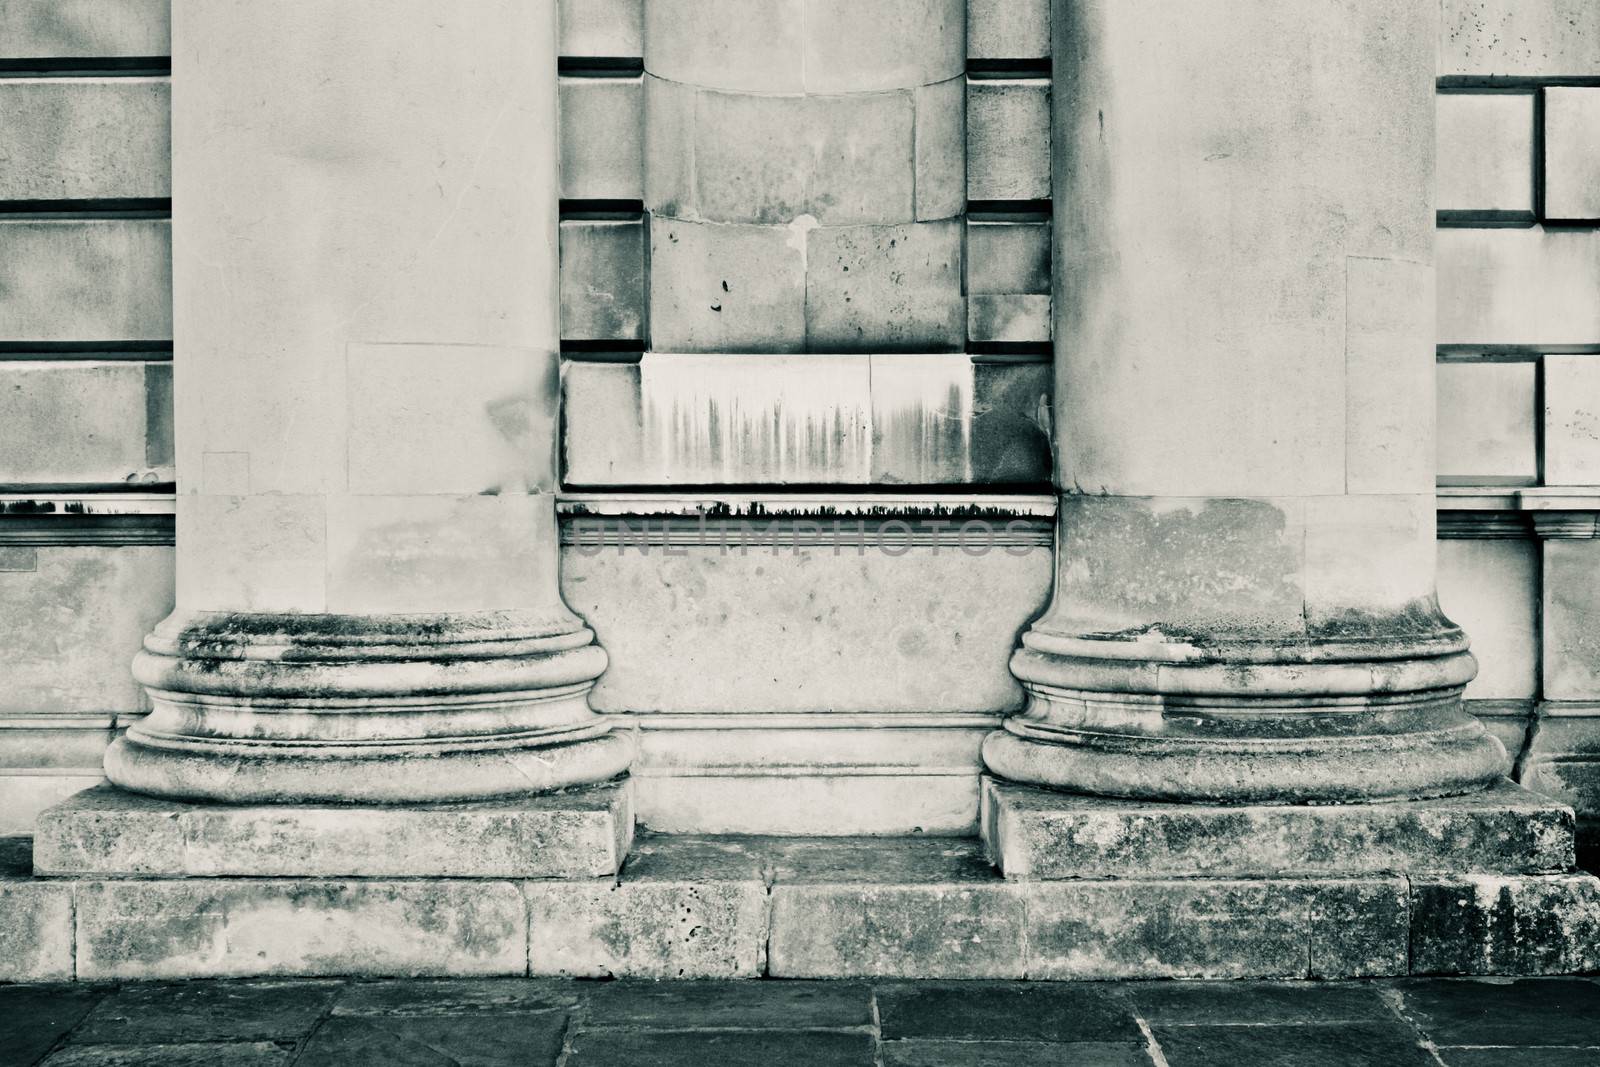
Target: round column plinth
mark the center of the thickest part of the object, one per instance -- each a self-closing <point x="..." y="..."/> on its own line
<point x="1274" y="724"/>
<point x="380" y="709"/>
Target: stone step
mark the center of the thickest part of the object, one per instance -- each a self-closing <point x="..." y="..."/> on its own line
<point x="1045" y="834"/>
<point x="108" y="832"/>
<point x="815" y="908"/>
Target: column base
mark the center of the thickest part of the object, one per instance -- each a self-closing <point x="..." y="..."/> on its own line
<point x="255" y="709"/>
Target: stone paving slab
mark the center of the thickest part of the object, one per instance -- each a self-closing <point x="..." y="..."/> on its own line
<point x="545" y="1022"/>
<point x="108" y="832"/>
<point x="1045" y="834"/>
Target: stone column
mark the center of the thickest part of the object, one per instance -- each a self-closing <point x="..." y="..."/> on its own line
<point x="365" y="212"/>
<point x="1244" y="318"/>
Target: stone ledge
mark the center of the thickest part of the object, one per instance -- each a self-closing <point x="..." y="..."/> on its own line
<point x="1043" y="834"/>
<point x="792" y="908"/>
<point x="105" y="832"/>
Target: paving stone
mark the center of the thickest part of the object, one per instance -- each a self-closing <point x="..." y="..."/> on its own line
<point x="455" y="996"/>
<point x="1176" y="929"/>
<point x="1489" y="924"/>
<point x="953" y="930"/>
<point x="885" y="288"/>
<point x="1221" y="1003"/>
<point x="1005" y="1011"/>
<point x="603" y="1048"/>
<point x="36" y="932"/>
<point x="1347" y="1044"/>
<point x="578" y="833"/>
<point x="510" y="1039"/>
<point x="270" y="927"/>
<point x="1556" y="1011"/>
<point x="201" y="1054"/>
<point x="33" y="1018"/>
<point x="190" y="1012"/>
<point x="1012" y="1054"/>
<point x="1517" y="1057"/>
<point x="1045" y="834"/>
<point x="878" y="860"/>
<point x="732" y="1005"/>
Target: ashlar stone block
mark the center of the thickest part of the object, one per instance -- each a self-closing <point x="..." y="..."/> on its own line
<point x="724" y="288"/>
<point x="86" y="280"/>
<point x="36" y="931"/>
<point x="1572" y="419"/>
<point x="1490" y="589"/>
<point x="84" y="138"/>
<point x="851" y="47"/>
<point x="1486" y="153"/>
<point x="740" y="45"/>
<point x="885" y="288"/>
<point x="1008" y="139"/>
<point x="1552" y="38"/>
<point x="1008" y="29"/>
<point x="107" y="832"/>
<point x="1008" y="257"/>
<point x="602" y="138"/>
<point x="84" y="422"/>
<point x="1041" y="834"/>
<point x="94" y="29"/>
<point x="1519" y="287"/>
<point x="605" y="28"/>
<point x="1486" y="415"/>
<point x="1571" y="605"/>
<point x="1505" y="924"/>
<point x="1572" y="153"/>
<point x="602" y="279"/>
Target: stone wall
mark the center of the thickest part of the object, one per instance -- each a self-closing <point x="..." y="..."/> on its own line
<point x="871" y="346"/>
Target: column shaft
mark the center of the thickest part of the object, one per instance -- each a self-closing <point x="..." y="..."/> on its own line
<point x="365" y="218"/>
<point x="1244" y="605"/>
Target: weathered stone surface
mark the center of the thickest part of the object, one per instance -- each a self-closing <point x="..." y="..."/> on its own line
<point x="34" y="1018"/>
<point x="1512" y="38"/>
<point x="602" y="279"/>
<point x="94" y="29"/>
<point x="76" y="618"/>
<point x="885" y="288"/>
<point x="602" y="138"/>
<point x="1505" y="924"/>
<point x="271" y="927"/>
<point x="1388" y="1043"/>
<point x="685" y="912"/>
<point x="513" y="1039"/>
<point x="1177" y="929"/>
<point x="729" y="1004"/>
<point x="755" y="796"/>
<point x="1486" y="424"/>
<point x="86" y="280"/>
<point x="842" y="160"/>
<point x="1041" y="834"/>
<point x="162" y="1014"/>
<point x="1008" y="257"/>
<point x="600" y="1048"/>
<point x="1519" y="287"/>
<point x="1572" y="416"/>
<point x="1008" y="29"/>
<point x="1360" y="929"/>
<point x="847" y="929"/>
<point x="1491" y="590"/>
<point x="1486" y="152"/>
<point x="1008" y="139"/>
<point x="84" y="138"/>
<point x="562" y="835"/>
<point x="1571" y="598"/>
<point x="36" y="931"/>
<point x="1009" y="317"/>
<point x="482" y="997"/>
<point x="83" y="422"/>
<point x="191" y="1054"/>
<point x="979" y="1010"/>
<point x="725" y="288"/>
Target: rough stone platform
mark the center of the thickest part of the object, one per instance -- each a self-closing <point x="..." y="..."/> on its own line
<point x="105" y="832"/>
<point x="746" y="907"/>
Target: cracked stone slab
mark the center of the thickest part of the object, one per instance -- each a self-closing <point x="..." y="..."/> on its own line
<point x="107" y="832"/>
